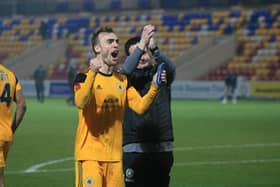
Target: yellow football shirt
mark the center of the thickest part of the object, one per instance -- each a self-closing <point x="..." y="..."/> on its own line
<point x="8" y="87"/>
<point x="101" y="100"/>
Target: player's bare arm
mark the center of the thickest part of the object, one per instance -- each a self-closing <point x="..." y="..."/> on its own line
<point x="141" y="104"/>
<point x="20" y="110"/>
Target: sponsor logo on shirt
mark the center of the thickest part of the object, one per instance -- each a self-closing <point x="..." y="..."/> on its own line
<point x="98" y="87"/>
<point x="3" y="76"/>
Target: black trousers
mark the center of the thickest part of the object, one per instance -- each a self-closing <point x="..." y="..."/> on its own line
<point x="147" y="169"/>
<point x="40" y="91"/>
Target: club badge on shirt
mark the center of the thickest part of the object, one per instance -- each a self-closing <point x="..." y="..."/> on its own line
<point x="89" y="182"/>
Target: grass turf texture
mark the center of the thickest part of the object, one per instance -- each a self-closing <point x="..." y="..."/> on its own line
<point x="216" y="145"/>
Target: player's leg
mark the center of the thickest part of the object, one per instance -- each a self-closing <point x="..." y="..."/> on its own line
<point x="37" y="91"/>
<point x="2" y="164"/>
<point x="163" y="162"/>
<point x="1" y="176"/>
<point x="113" y="174"/>
<point x="138" y="169"/>
<point x="147" y="169"/>
<point x="226" y="93"/>
<point x="131" y="169"/>
<point x="88" y="174"/>
<point x="4" y="147"/>
<point x="42" y="92"/>
<point x="234" y="100"/>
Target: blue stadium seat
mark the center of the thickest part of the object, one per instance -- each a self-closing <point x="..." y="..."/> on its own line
<point x="117" y="18"/>
<point x="15" y="21"/>
<point x="31" y="20"/>
<point x="234" y="13"/>
<point x="272" y="38"/>
<point x="132" y="29"/>
<point x="30" y="33"/>
<point x="23" y="38"/>
<point x="195" y="40"/>
<point x="17" y="32"/>
<point x="228" y="29"/>
<point x="252" y="26"/>
<point x="170" y="20"/>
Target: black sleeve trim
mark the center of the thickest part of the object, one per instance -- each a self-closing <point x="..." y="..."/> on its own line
<point x="80" y="77"/>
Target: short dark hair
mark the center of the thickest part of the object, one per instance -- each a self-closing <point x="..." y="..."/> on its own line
<point x="94" y="38"/>
<point x="130" y="42"/>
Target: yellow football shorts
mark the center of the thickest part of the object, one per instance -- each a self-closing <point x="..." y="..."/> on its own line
<point x="4" y="148"/>
<point x="90" y="173"/>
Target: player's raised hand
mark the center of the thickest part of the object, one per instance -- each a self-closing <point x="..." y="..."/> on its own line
<point x="152" y="44"/>
<point x="146" y="35"/>
<point x="94" y="64"/>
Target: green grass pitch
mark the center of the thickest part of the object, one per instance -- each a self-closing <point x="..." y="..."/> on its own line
<point x="216" y="145"/>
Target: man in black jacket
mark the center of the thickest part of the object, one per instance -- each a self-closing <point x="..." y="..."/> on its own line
<point x="39" y="76"/>
<point x="148" y="139"/>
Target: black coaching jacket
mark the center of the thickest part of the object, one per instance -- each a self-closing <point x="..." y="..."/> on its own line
<point x="155" y="125"/>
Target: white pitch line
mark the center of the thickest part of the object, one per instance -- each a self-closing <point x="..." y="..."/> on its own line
<point x="54" y="170"/>
<point x="180" y="164"/>
<point x="36" y="167"/>
<point x="227" y="162"/>
<point x="40" y="171"/>
<point x="226" y="146"/>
